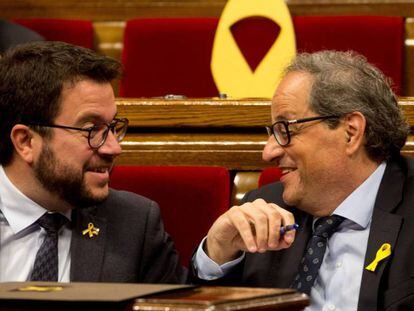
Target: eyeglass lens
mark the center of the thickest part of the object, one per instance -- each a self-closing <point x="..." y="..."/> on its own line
<point x="99" y="134"/>
<point x="281" y="133"/>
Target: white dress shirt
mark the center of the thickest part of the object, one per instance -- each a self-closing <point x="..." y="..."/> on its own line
<point x="21" y="237"/>
<point x="338" y="283"/>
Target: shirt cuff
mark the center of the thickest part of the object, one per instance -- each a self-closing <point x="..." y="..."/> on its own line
<point x="207" y="269"/>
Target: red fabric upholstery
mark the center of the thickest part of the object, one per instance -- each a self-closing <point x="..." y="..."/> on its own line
<point x="168" y="56"/>
<point x="172" y="56"/>
<point x="255" y="36"/>
<point x="190" y="198"/>
<point x="379" y="38"/>
<point x="77" y="32"/>
<point x="269" y="175"/>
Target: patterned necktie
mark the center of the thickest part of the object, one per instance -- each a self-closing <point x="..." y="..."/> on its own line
<point x="315" y="250"/>
<point x="46" y="263"/>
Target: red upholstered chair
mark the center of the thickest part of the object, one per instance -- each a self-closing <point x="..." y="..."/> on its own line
<point x="379" y="38"/>
<point x="168" y="56"/>
<point x="172" y="55"/>
<point x="190" y="198"/>
<point x="269" y="175"/>
<point x="78" y="32"/>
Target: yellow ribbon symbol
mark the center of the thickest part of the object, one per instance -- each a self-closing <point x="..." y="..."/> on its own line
<point x="383" y="252"/>
<point x="91" y="230"/>
<point x="229" y="68"/>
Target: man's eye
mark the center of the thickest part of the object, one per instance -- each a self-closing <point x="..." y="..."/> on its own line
<point x="94" y="130"/>
<point x="293" y="130"/>
<point x="283" y="132"/>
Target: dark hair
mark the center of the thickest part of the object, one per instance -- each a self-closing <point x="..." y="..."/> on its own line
<point x="31" y="80"/>
<point x="344" y="82"/>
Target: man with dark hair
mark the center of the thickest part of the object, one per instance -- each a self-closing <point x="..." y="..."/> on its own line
<point x="60" y="132"/>
<point x="336" y="134"/>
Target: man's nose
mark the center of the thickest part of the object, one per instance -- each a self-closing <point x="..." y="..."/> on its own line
<point x="111" y="146"/>
<point x="272" y="150"/>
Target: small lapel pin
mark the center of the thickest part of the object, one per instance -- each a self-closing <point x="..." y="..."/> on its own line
<point x="383" y="252"/>
<point x="91" y="230"/>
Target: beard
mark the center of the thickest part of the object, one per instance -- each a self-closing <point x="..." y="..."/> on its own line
<point x="63" y="180"/>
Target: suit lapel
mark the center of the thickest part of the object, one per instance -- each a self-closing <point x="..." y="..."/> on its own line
<point x="87" y="252"/>
<point x="385" y="228"/>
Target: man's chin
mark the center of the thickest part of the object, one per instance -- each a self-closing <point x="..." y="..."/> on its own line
<point x="99" y="195"/>
<point x="90" y="198"/>
<point x="290" y="198"/>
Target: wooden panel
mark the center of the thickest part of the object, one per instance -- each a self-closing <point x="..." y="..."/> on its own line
<point x="408" y="78"/>
<point x="407" y="106"/>
<point x="234" y="151"/>
<point x="109" y="37"/>
<point x="226" y="133"/>
<point x="118" y="10"/>
<point x="195" y="112"/>
<point x="209" y="113"/>
<point x="243" y="182"/>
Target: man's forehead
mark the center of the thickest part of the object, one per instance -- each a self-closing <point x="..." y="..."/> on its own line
<point x="289" y="109"/>
<point x="292" y="96"/>
<point x="88" y="100"/>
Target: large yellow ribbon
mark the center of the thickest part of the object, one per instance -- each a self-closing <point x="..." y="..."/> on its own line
<point x="383" y="252"/>
<point x="230" y="70"/>
<point x="91" y="230"/>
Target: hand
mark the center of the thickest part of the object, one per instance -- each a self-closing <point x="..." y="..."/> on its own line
<point x="251" y="227"/>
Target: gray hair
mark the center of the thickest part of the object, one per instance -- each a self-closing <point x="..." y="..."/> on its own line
<point x="344" y="82"/>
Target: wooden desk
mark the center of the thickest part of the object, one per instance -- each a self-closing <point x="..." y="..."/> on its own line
<point x="149" y="297"/>
<point x="224" y="298"/>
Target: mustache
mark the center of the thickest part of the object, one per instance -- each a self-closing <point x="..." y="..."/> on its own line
<point x="103" y="163"/>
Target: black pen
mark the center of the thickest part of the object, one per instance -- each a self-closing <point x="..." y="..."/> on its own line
<point x="287" y="228"/>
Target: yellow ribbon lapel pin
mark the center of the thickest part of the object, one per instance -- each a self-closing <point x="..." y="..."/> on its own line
<point x="91" y="230"/>
<point x="383" y="252"/>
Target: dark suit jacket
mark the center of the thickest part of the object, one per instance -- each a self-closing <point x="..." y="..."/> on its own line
<point x="131" y="246"/>
<point x="391" y="286"/>
<point x="12" y="34"/>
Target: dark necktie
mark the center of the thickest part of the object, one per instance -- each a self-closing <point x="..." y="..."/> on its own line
<point x="315" y="250"/>
<point x="46" y="263"/>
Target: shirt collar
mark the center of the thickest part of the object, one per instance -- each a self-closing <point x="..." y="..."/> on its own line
<point x="19" y="211"/>
<point x="359" y="205"/>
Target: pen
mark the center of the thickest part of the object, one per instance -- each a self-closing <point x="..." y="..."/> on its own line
<point x="287" y="228"/>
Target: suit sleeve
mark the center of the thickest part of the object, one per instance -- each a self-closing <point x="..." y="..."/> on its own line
<point x="160" y="262"/>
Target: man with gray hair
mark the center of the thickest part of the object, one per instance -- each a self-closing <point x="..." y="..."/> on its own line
<point x="339" y="224"/>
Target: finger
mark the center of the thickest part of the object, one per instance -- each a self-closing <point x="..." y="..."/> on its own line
<point x="242" y="222"/>
<point x="287" y="218"/>
<point x="275" y="222"/>
<point x="259" y="220"/>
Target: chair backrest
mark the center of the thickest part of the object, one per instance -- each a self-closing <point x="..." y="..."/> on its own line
<point x="168" y="56"/>
<point x="77" y="32"/>
<point x="379" y="38"/>
<point x="269" y="175"/>
<point x="190" y="198"/>
<point x="172" y="55"/>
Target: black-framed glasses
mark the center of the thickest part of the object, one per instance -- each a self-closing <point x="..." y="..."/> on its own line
<point x="97" y="134"/>
<point x="280" y="129"/>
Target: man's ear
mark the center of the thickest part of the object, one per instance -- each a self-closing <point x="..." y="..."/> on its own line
<point x="23" y="141"/>
<point x="355" y="124"/>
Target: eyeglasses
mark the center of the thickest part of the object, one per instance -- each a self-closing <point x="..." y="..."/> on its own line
<point x="280" y="129"/>
<point x="97" y="134"/>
